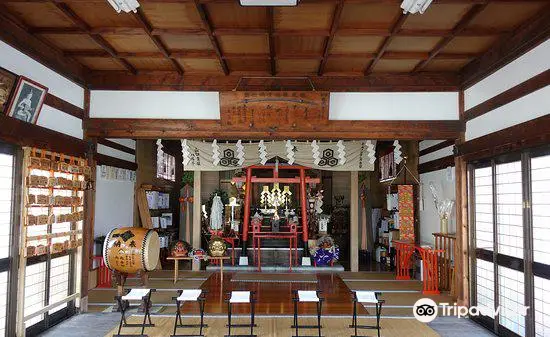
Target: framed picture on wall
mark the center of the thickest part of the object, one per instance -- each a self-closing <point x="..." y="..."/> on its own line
<point x="27" y="100"/>
<point x="7" y="83"/>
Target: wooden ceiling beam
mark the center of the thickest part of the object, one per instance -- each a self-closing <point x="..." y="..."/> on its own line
<point x="208" y="27"/>
<point x="156" y="40"/>
<point x="529" y="35"/>
<point x="63" y="7"/>
<point x="375" y="82"/>
<point x="460" y="26"/>
<point x="271" y="40"/>
<point x="337" y="14"/>
<point x="262" y="31"/>
<point x="210" y="54"/>
<point x="17" y="34"/>
<point x="394" y="29"/>
<point x="200" y="129"/>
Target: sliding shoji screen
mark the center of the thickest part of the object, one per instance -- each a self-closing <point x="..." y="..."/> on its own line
<point x="540" y="210"/>
<point x="6" y="210"/>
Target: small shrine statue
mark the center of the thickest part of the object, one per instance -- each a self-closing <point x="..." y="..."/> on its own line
<point x="326" y="251"/>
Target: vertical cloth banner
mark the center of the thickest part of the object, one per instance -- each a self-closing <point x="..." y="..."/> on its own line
<point x="406" y="212"/>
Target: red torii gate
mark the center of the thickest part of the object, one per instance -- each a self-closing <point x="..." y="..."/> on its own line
<point x="302" y="180"/>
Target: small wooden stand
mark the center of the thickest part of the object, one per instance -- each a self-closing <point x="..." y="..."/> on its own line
<point x="187" y="258"/>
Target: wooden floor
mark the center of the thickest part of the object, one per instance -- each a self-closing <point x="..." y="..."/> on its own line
<point x="274" y="292"/>
<point x="332" y="327"/>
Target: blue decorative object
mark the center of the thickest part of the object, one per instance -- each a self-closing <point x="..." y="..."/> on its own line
<point x="326" y="252"/>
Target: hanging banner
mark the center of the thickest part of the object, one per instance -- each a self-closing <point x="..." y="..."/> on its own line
<point x="333" y="156"/>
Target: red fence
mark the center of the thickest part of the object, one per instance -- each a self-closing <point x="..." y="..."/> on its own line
<point x="429" y="271"/>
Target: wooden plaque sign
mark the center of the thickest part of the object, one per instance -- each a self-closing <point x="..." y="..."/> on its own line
<point x="274" y="109"/>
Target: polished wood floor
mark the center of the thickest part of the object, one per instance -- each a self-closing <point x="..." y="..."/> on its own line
<point x="275" y="298"/>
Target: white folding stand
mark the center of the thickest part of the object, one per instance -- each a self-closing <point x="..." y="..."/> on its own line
<point x="189" y="295"/>
<point x="366" y="297"/>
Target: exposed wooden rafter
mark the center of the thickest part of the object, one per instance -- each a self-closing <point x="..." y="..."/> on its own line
<point x="328" y="41"/>
<point x="510" y="46"/>
<point x="63" y="7"/>
<point x="271" y="40"/>
<point x="394" y="29"/>
<point x="460" y="26"/>
<point x="208" y="28"/>
<point x="156" y="40"/>
<point x="17" y="34"/>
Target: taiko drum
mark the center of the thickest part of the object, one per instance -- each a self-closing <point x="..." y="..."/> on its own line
<point x="131" y="249"/>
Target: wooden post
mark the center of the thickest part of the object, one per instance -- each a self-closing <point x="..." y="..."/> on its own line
<point x="462" y="266"/>
<point x="303" y="198"/>
<point x="246" y="222"/>
<point x="197" y="216"/>
<point x="20" y="322"/>
<point x="354" y="222"/>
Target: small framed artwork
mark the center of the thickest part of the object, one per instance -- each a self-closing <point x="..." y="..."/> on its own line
<point x="7" y="83"/>
<point x="27" y="100"/>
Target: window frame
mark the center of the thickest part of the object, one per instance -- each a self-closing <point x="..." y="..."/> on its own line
<point x="10" y="263"/>
<point x="526" y="264"/>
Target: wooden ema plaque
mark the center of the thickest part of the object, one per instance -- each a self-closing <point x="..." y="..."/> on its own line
<point x="274" y="109"/>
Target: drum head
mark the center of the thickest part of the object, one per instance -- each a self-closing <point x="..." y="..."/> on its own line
<point x="151" y="250"/>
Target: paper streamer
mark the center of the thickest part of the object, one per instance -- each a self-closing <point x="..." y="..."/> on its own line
<point x="185" y="152"/>
<point x="341" y="152"/>
<point x="397" y="152"/>
<point x="316" y="153"/>
<point x="371" y="151"/>
<point x="262" y="149"/>
<point x="215" y="153"/>
<point x="290" y="152"/>
<point x="240" y="152"/>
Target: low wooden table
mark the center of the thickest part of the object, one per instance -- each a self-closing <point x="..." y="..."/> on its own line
<point x="188" y="258"/>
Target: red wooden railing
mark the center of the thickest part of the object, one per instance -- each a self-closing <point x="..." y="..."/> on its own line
<point x="430" y="284"/>
<point x="103" y="273"/>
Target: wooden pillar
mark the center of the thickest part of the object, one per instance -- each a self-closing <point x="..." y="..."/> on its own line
<point x="303" y="198"/>
<point x="197" y="215"/>
<point x="354" y="222"/>
<point x="462" y="254"/>
<point x="246" y="222"/>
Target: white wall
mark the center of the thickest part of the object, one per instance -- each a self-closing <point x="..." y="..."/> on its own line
<point x="20" y="64"/>
<point x="154" y="104"/>
<point x="394" y="106"/>
<point x="444" y="182"/>
<point x="114" y="204"/>
<point x="528" y="107"/>
<point x="114" y="201"/>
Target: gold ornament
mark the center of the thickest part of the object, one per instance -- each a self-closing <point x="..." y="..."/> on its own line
<point x="217" y="247"/>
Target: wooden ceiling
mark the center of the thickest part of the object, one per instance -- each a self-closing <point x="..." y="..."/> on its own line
<point x="316" y="38"/>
